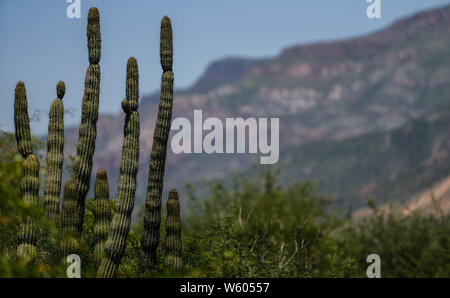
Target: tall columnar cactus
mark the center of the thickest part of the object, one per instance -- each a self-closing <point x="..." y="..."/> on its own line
<point x="30" y="173"/>
<point x="152" y="217"/>
<point x="102" y="212"/>
<point x="88" y="128"/>
<point x="55" y="156"/>
<point x="120" y="225"/>
<point x="69" y="237"/>
<point x="22" y="121"/>
<point x="172" y="244"/>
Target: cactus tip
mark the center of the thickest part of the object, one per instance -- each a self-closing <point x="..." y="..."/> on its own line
<point x="166" y="23"/>
<point x="61" y="89"/>
<point x="20" y="87"/>
<point x="101" y="174"/>
<point x="132" y="60"/>
<point x="69" y="187"/>
<point x="173" y="194"/>
<point x="132" y="67"/>
<point x="94" y="14"/>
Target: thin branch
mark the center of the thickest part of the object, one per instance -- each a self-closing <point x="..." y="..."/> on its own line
<point x="281" y="258"/>
<point x="260" y="260"/>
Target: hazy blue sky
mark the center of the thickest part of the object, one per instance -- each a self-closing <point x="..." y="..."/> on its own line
<point x="40" y="45"/>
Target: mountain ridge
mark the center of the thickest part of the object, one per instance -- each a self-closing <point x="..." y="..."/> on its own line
<point x="323" y="93"/>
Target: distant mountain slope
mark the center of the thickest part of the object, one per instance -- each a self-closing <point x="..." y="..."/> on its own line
<point x="434" y="200"/>
<point x="354" y="114"/>
<point x="223" y="72"/>
<point x="388" y="166"/>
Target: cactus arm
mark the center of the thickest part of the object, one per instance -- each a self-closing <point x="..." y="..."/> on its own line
<point x="82" y="167"/>
<point x="173" y="244"/>
<point x="55" y="156"/>
<point x="120" y="225"/>
<point x="30" y="191"/>
<point x="102" y="212"/>
<point x="152" y="216"/>
<point x="22" y="121"/>
<point x="69" y="237"/>
<point x="27" y="240"/>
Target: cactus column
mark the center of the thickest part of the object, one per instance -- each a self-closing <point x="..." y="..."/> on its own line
<point x="88" y="128"/>
<point x="173" y="244"/>
<point x="55" y="156"/>
<point x="102" y="212"/>
<point x="152" y="217"/>
<point x="120" y="225"/>
<point x="69" y="237"/>
<point x="30" y="173"/>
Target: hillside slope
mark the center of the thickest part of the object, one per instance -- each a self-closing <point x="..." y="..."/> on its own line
<point x="354" y="114"/>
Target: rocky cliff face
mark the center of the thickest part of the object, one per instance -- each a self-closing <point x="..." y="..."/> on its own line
<point x="328" y="96"/>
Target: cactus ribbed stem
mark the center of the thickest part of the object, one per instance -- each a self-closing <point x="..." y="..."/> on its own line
<point x="150" y="236"/>
<point x="22" y="121"/>
<point x="82" y="167"/>
<point x="93" y="36"/>
<point x="173" y="244"/>
<point x="27" y="240"/>
<point x="120" y="225"/>
<point x="55" y="156"/>
<point x="69" y="239"/>
<point x="30" y="192"/>
<point x="102" y="212"/>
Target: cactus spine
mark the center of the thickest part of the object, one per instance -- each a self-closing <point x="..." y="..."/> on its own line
<point x="120" y="225"/>
<point x="26" y="248"/>
<point x="82" y="167"/>
<point x="69" y="239"/>
<point x="152" y="217"/>
<point x="55" y="156"/>
<point x="173" y="244"/>
<point x="102" y="212"/>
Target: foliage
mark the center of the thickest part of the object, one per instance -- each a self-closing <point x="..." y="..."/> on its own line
<point x="258" y="229"/>
<point x="413" y="246"/>
<point x="251" y="227"/>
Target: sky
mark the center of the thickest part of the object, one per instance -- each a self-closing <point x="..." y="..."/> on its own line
<point x="40" y="45"/>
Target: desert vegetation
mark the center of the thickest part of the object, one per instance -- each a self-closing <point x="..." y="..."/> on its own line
<point x="241" y="227"/>
<point x="64" y="231"/>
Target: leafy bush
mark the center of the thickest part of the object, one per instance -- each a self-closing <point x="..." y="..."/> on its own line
<point x="416" y="245"/>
